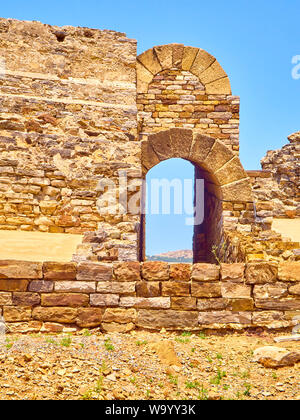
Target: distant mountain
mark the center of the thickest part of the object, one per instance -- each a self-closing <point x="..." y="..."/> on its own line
<point x="181" y="256"/>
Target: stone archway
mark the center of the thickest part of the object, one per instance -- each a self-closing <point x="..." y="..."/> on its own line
<point x="225" y="182"/>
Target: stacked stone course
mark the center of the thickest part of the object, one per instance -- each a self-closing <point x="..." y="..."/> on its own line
<point x="54" y="297"/>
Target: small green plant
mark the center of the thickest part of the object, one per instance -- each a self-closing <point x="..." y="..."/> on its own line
<point x="202" y="335"/>
<point x="141" y="343"/>
<point x="86" y="333"/>
<point x="274" y="376"/>
<point x="192" y="385"/>
<point x="66" y="342"/>
<point x="203" y="394"/>
<point x="247" y="389"/>
<point x="245" y="374"/>
<point x="193" y="350"/>
<point x="186" y="334"/>
<point x="9" y="346"/>
<point x="133" y="380"/>
<point x="108" y="345"/>
<point x="226" y="387"/>
<point x="219" y="252"/>
<point x="182" y="340"/>
<point x="173" y="380"/>
<point x="216" y="380"/>
<point x="50" y="341"/>
<point x="219" y="356"/>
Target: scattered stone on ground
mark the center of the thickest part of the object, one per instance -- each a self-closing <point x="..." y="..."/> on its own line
<point x="274" y="357"/>
<point x="144" y="366"/>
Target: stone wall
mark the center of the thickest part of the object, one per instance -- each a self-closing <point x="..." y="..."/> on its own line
<point x="55" y="297"/>
<point x="68" y="118"/>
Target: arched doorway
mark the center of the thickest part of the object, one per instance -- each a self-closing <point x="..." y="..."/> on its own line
<point x="220" y="172"/>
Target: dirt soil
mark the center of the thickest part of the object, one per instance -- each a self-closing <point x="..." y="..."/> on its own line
<point x="137" y="366"/>
<point x="38" y="246"/>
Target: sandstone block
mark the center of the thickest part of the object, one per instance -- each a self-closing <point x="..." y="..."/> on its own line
<point x="175" y="288"/>
<point x="289" y="271"/>
<point x="5" y="299"/>
<point x="20" y="270"/>
<point x="119" y="315"/>
<point x="41" y="286"/>
<point x="205" y="272"/>
<point x="128" y="271"/>
<point x="184" y="303"/>
<point x="117" y="288"/>
<point x="94" y="272"/>
<point x="233" y="272"/>
<point x="270" y="291"/>
<point x="58" y="314"/>
<point x="211" y="304"/>
<point x="59" y="271"/>
<point x="155" y="270"/>
<point x="13" y="285"/>
<point x="240" y="305"/>
<point x="26" y="299"/>
<point x="145" y="303"/>
<point x="265" y="317"/>
<point x="75" y="287"/>
<point x="72" y="300"/>
<point x="232" y="290"/>
<point x="89" y="317"/>
<point x="16" y="314"/>
<point x="104" y="300"/>
<point x="293" y="290"/>
<point x="148" y="289"/>
<point x="206" y="290"/>
<point x="261" y="273"/>
<point x="224" y="317"/>
<point x="180" y="272"/>
<point x="286" y="304"/>
<point x="169" y="319"/>
<point x="275" y="357"/>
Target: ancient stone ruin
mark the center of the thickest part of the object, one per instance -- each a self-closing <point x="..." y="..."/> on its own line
<point x="80" y="112"/>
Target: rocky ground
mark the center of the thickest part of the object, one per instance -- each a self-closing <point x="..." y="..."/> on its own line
<point x="142" y="365"/>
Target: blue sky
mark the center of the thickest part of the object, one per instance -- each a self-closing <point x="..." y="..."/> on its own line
<point x="254" y="41"/>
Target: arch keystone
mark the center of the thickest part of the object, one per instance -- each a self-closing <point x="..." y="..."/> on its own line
<point x="178" y="50"/>
<point x="181" y="141"/>
<point x="189" y="56"/>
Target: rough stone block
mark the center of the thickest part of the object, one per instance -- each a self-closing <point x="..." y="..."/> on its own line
<point x="155" y="270"/>
<point x="59" y="271"/>
<point x="184" y="303"/>
<point x="261" y="273"/>
<point x="128" y="271"/>
<point x="41" y="286"/>
<point x="16" y="314"/>
<point x="89" y="317"/>
<point x="75" y="287"/>
<point x="169" y="319"/>
<point x="180" y="272"/>
<point x="148" y="289"/>
<point x="233" y="272"/>
<point x="289" y="271"/>
<point x="287" y="304"/>
<point x="94" y="272"/>
<point x="206" y="290"/>
<point x="13" y="285"/>
<point x="211" y="304"/>
<point x="270" y="291"/>
<point x="232" y="290"/>
<point x="224" y="317"/>
<point x="26" y="299"/>
<point x="119" y="315"/>
<point x="72" y="300"/>
<point x="58" y="314"/>
<point x="175" y="288"/>
<point x="293" y="290"/>
<point x="145" y="303"/>
<point x="20" y="270"/>
<point x="5" y="299"/>
<point x="117" y="288"/>
<point x="205" y="272"/>
<point x="104" y="300"/>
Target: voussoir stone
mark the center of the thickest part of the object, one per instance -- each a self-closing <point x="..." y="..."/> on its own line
<point x="20" y="270"/>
